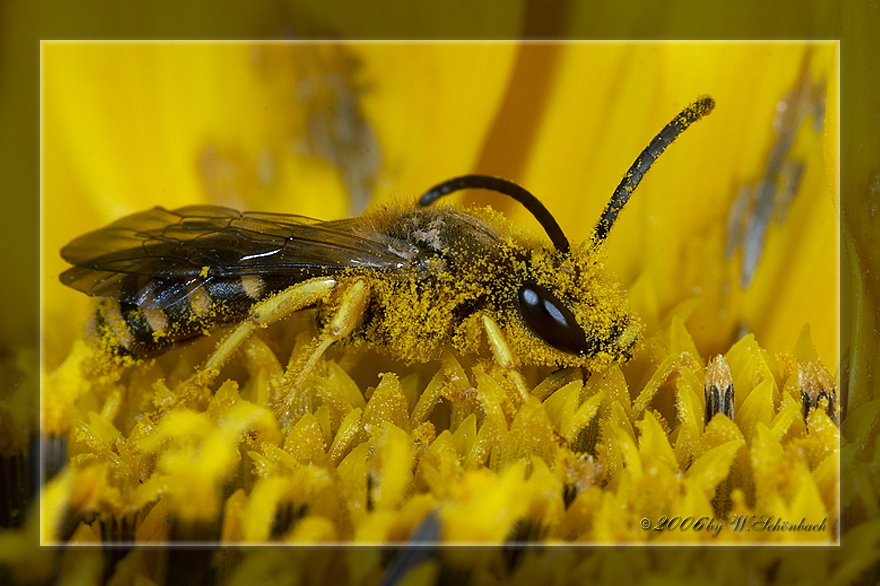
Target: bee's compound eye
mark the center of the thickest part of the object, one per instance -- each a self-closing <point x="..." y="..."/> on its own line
<point x="550" y="319"/>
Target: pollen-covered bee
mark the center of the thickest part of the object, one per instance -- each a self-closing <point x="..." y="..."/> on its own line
<point x="407" y="280"/>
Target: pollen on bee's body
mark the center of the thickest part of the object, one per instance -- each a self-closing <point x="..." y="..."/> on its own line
<point x="630" y="335"/>
<point x="252" y="285"/>
<point x="107" y="321"/>
<point x="200" y="303"/>
<point x="157" y="320"/>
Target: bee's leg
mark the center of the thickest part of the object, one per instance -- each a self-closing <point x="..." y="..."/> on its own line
<point x="503" y="354"/>
<point x="354" y="298"/>
<point x="262" y="314"/>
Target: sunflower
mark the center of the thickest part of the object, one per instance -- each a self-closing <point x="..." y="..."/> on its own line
<point x="729" y="251"/>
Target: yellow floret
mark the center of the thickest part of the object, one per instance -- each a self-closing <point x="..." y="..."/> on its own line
<point x="582" y="457"/>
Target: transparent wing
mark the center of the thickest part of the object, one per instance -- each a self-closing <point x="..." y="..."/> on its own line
<point x="170" y="253"/>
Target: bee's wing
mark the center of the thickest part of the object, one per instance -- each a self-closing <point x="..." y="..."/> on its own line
<point x="175" y="248"/>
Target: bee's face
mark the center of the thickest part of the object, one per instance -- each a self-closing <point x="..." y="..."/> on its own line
<point x="551" y="320"/>
<point x="570" y="313"/>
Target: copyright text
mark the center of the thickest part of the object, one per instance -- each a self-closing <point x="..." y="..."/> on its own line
<point x="738" y="523"/>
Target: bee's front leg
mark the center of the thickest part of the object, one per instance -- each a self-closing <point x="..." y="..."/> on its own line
<point x="504" y="355"/>
<point x="354" y="298"/>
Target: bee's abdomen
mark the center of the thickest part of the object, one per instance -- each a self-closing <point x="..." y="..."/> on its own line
<point x="128" y="329"/>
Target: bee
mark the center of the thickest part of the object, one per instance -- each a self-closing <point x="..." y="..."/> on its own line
<point x="407" y="280"/>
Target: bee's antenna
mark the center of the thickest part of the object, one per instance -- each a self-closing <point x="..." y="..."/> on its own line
<point x="643" y="162"/>
<point x="505" y="187"/>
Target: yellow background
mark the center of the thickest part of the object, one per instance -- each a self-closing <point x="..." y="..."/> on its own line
<point x="126" y="126"/>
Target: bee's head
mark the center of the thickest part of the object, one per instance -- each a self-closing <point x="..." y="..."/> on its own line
<point x="575" y="309"/>
<point x="568" y="312"/>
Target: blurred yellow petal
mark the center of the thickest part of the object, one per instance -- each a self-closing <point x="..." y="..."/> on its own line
<point x="757" y="408"/>
<point x="712" y="467"/>
<point x="391" y="466"/>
